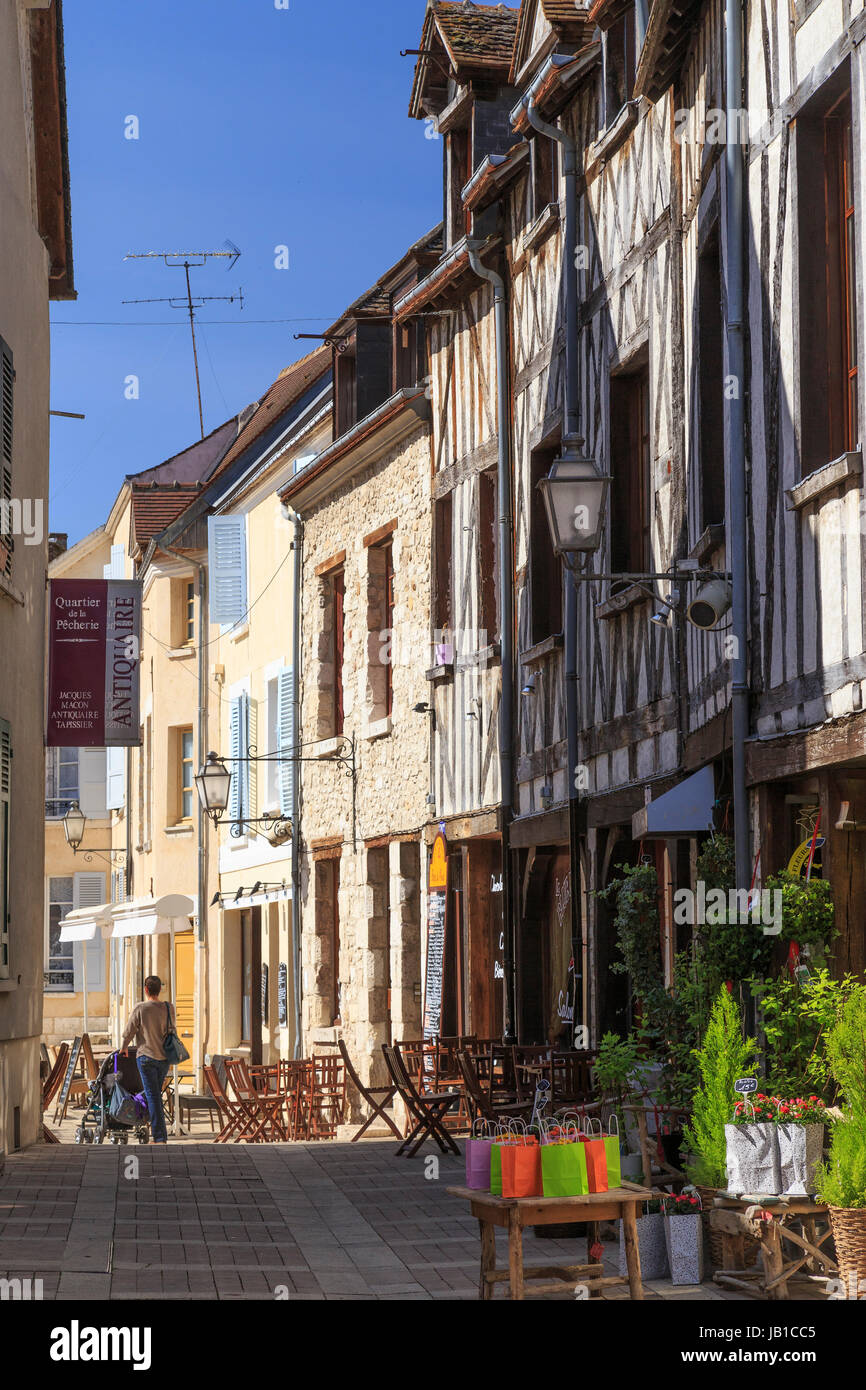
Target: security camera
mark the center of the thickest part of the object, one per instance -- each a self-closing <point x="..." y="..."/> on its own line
<point x="710" y="604"/>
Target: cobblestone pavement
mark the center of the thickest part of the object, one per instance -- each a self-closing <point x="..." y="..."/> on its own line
<point x="207" y="1221"/>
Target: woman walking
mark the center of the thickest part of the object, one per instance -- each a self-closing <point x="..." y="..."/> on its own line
<point x="148" y="1024"/>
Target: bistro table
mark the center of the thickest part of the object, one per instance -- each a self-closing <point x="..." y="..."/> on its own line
<point x="516" y="1213"/>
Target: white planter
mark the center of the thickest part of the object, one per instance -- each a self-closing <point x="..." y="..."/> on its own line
<point x="752" y="1158"/>
<point x="684" y="1239"/>
<point x="801" y="1149"/>
<point x="651" y="1244"/>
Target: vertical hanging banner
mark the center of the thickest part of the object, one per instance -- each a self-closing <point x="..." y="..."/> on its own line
<point x="437" y="897"/>
<point x="94" y="647"/>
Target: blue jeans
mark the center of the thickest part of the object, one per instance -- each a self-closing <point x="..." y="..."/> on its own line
<point x="153" y="1075"/>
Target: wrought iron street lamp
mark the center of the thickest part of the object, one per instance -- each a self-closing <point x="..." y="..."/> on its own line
<point x="213" y="782"/>
<point x="74" y="826"/>
<point x="574" y="495"/>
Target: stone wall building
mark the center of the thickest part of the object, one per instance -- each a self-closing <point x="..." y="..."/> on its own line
<point x="365" y="505"/>
<point x="35" y="267"/>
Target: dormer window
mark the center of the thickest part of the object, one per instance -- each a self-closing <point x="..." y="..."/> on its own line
<point x="459" y="174"/>
<point x="544" y="156"/>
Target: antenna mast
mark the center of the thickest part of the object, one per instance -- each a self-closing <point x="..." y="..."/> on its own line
<point x="186" y="261"/>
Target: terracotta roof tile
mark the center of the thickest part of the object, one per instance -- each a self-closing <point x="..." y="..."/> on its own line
<point x="476" y="33"/>
<point x="155" y="507"/>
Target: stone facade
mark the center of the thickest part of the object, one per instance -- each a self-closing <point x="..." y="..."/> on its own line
<point x="368" y="971"/>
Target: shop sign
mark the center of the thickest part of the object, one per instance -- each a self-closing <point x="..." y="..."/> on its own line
<point x="94" y="653"/>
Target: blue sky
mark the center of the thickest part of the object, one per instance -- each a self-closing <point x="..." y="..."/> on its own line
<point x="268" y="127"/>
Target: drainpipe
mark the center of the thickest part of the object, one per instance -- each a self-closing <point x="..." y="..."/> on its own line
<point x="734" y="183"/>
<point x="506" y="590"/>
<point x="571" y="443"/>
<point x="298" y="555"/>
<point x="200" y="1004"/>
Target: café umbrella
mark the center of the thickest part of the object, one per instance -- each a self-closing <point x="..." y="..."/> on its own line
<point x="82" y="925"/>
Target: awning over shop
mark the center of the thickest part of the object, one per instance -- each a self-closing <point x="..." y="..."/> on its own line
<point x="86" y="923"/>
<point x="274" y="895"/>
<point x="153" y="916"/>
<point x="687" y="809"/>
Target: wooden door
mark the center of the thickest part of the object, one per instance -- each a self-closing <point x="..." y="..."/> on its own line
<point x="184" y="992"/>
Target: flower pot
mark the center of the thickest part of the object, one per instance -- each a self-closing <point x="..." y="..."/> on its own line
<point x="849" y="1237"/>
<point x="651" y="1245"/>
<point x="684" y="1238"/>
<point x="801" y="1149"/>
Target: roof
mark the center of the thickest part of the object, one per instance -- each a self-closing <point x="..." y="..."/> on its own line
<point x="194" y="464"/>
<point x="476" y="34"/>
<point x="466" y="38"/>
<point x="570" y="22"/>
<point x="377" y="302"/>
<point x="289" y="385"/>
<point x="51" y="146"/>
<point x="155" y="507"/>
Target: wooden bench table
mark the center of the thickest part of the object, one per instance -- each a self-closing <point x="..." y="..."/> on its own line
<point x="784" y="1250"/>
<point x="514" y="1214"/>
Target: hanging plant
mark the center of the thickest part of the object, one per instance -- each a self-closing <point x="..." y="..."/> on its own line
<point x="808" y="914"/>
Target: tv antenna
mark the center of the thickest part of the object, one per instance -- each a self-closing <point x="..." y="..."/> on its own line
<point x="187" y="261"/>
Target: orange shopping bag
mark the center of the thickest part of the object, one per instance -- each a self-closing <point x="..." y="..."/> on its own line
<point x="596" y="1158"/>
<point x="521" y="1168"/>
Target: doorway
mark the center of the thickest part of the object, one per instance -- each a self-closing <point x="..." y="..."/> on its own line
<point x="455" y="974"/>
<point x="184" y="992"/>
<point x="250" y="982"/>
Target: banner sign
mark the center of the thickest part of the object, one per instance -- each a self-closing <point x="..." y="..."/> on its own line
<point x="94" y="645"/>
<point x="437" y="895"/>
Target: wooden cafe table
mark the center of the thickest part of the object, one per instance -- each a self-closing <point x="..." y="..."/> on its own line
<point x="516" y="1213"/>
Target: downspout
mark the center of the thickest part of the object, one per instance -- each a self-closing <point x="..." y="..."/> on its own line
<point x="506" y="590"/>
<point x="201" y="961"/>
<point x="297" y="570"/>
<point x="570" y="442"/>
<point x="734" y="183"/>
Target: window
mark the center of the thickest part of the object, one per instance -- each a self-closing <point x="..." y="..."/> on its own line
<point x="59" y="964"/>
<point x="630" y="467"/>
<point x="829" y="368"/>
<point x="345" y="411"/>
<point x="5" y="821"/>
<point x="545" y="567"/>
<point x="460" y="172"/>
<point x="388" y="621"/>
<point x="545" y="181"/>
<point x="619" y="64"/>
<point x="7" y="386"/>
<point x="408" y="354"/>
<point x="332" y="870"/>
<point x="488" y="554"/>
<point x="338" y="582"/>
<point x="186" y="774"/>
<point x="62" y="783"/>
<point x="190" y="612"/>
<point x="711" y="422"/>
<point x="442" y="550"/>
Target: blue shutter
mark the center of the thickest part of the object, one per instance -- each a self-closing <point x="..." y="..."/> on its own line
<point x="227" y="563"/>
<point x="252" y="799"/>
<point x="287" y="764"/>
<point x="115" y="778"/>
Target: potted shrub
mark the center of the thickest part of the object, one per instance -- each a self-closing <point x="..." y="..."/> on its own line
<point x="807" y="913"/>
<point x="841" y="1182"/>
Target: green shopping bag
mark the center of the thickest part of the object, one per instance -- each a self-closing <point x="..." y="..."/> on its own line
<point x="612" y="1154"/>
<point x="496" y="1169"/>
<point x="563" y="1169"/>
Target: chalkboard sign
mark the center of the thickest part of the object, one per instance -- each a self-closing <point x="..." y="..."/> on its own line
<point x="63" y="1098"/>
<point x="435" y="959"/>
<point x="264" y="995"/>
<point x="746" y="1085"/>
<point x="283" y="993"/>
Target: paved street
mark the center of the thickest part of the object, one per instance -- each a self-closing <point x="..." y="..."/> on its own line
<point x="201" y="1221"/>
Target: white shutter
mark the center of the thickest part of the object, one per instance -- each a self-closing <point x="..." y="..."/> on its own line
<point x="235" y="737"/>
<point x="92" y="783"/>
<point x="116" y="569"/>
<point x="227" y="563"/>
<point x="5" y="821"/>
<point x="252" y="741"/>
<point x="115" y="778"/>
<point x="88" y="890"/>
<point x="287" y="766"/>
<point x="7" y="388"/>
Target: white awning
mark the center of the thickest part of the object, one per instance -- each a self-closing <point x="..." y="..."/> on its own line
<point x="276" y="895"/>
<point x="153" y="916"/>
<point x="86" y="923"/>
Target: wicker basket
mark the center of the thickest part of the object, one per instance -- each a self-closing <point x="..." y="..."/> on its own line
<point x="849" y="1236"/>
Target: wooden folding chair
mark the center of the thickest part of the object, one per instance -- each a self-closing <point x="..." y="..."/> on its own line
<point x="485" y="1101"/>
<point x="231" y="1115"/>
<point x="370" y="1094"/>
<point x="427" y="1108"/>
<point x="261" y="1108"/>
<point x="54" y="1080"/>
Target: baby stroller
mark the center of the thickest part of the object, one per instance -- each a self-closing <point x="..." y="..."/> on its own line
<point x="97" y="1124"/>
